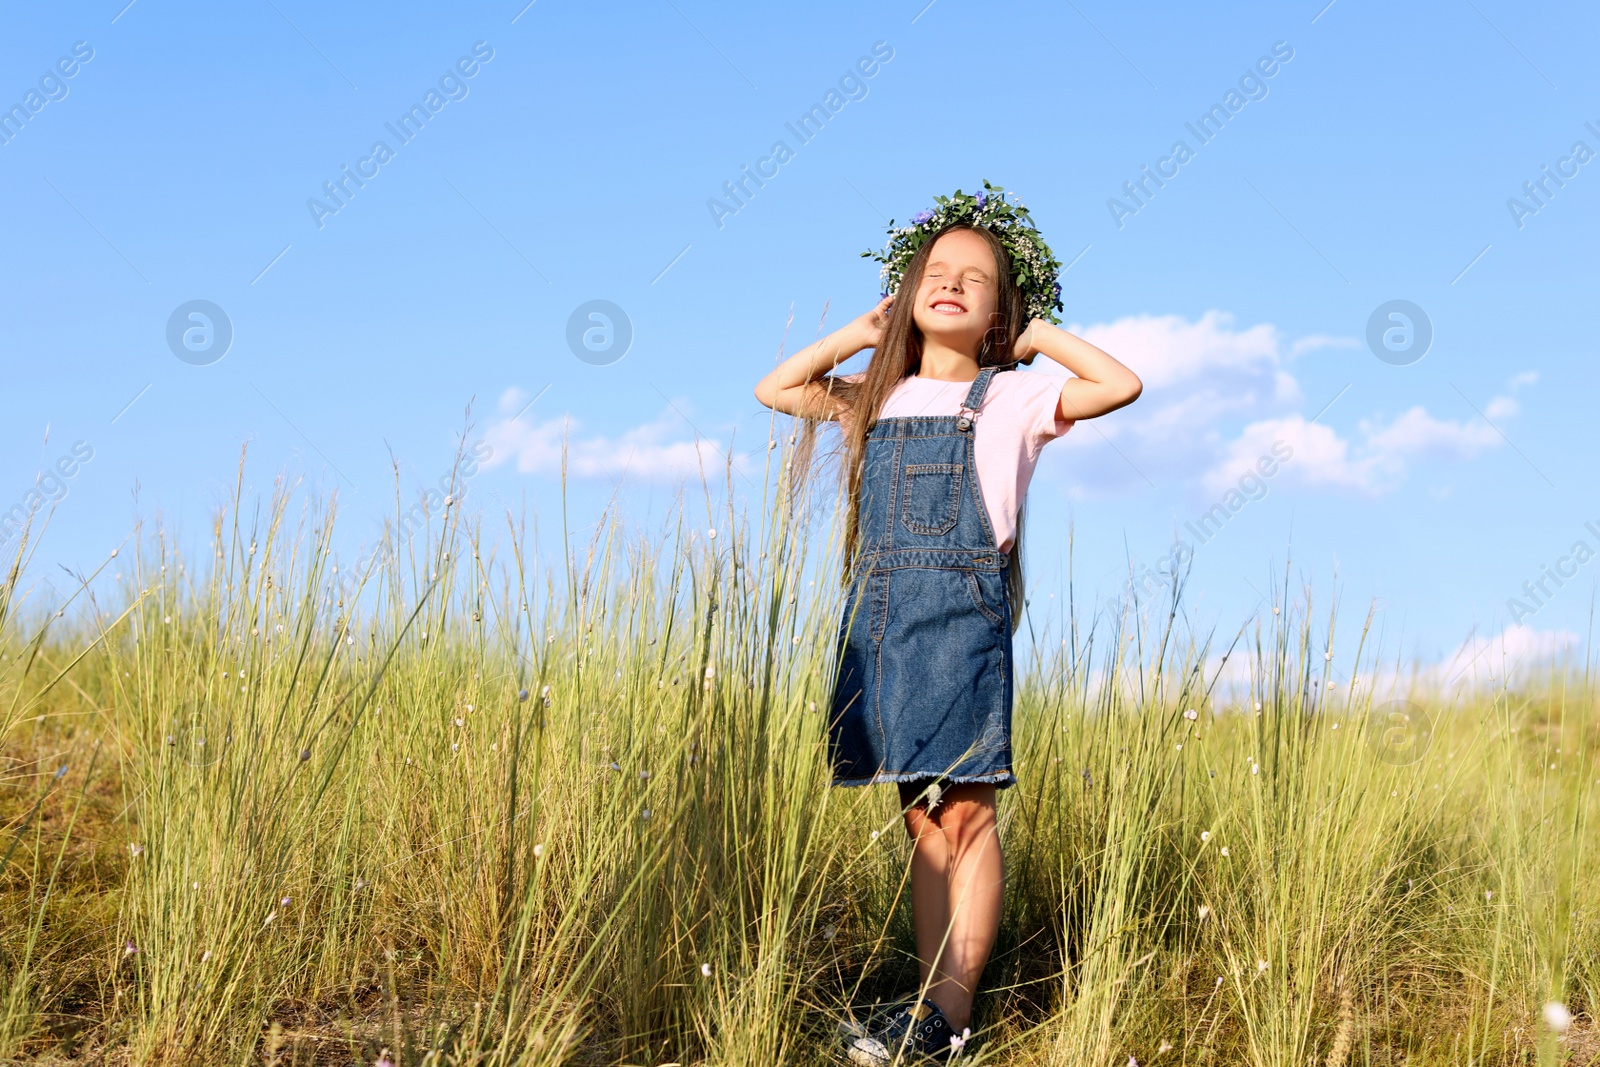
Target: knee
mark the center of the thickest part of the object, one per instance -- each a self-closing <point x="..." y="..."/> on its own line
<point x="965" y="821"/>
<point x="920" y="823"/>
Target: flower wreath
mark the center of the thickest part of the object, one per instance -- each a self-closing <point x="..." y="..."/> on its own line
<point x="1033" y="265"/>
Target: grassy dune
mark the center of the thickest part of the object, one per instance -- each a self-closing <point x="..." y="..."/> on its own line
<point x="474" y="811"/>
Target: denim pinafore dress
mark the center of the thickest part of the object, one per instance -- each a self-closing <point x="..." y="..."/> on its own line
<point x="924" y="683"/>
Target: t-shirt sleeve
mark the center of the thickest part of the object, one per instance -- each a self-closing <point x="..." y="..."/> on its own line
<point x="1041" y="416"/>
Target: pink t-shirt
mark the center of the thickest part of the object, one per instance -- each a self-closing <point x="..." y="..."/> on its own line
<point x="1015" y="421"/>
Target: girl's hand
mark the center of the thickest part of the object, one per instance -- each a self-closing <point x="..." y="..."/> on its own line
<point x="1027" y="343"/>
<point x="869" y="327"/>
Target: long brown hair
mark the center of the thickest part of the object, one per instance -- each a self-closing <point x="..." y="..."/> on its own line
<point x="899" y="356"/>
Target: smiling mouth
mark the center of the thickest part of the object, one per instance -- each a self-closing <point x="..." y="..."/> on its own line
<point x="947" y="307"/>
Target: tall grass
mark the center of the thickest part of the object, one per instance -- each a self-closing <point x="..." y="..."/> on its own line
<point x="471" y="808"/>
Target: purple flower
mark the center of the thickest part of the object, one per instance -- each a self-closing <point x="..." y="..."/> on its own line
<point x="921" y="217"/>
<point x="983" y="198"/>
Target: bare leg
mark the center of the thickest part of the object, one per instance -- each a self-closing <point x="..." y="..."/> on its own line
<point x="957" y="887"/>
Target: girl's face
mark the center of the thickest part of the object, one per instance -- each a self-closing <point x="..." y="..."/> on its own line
<point x="960" y="293"/>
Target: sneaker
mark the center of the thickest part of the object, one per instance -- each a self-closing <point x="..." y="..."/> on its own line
<point x="858" y="1022"/>
<point x="914" y="1032"/>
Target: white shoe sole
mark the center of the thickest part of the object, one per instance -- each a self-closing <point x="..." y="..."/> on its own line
<point x="868" y="1052"/>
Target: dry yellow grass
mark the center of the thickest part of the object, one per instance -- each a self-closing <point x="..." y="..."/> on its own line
<point x="485" y="812"/>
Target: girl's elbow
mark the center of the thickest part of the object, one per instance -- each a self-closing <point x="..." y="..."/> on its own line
<point x="765" y="393"/>
<point x="1133" y="389"/>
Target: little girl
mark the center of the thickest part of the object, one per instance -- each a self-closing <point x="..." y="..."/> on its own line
<point x="940" y="444"/>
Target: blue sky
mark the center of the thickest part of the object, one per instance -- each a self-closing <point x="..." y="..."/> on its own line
<point x="577" y="162"/>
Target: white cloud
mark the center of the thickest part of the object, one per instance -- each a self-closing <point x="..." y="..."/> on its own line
<point x="1317" y="457"/>
<point x="1165" y="349"/>
<point x="1418" y="433"/>
<point x="1510" y="654"/>
<point x="1204" y="377"/>
<point x="655" y="451"/>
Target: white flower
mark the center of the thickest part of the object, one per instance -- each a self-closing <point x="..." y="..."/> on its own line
<point x="1166" y="1046"/>
<point x="874" y="835"/>
<point x="1557" y="1017"/>
<point x="1488" y="894"/>
<point x="961" y="1042"/>
<point x="644" y="776"/>
<point x="205" y="956"/>
<point x="1255" y="769"/>
<point x="705" y="968"/>
<point x="1205" y="912"/>
<point x="284" y="903"/>
<point x="135" y="850"/>
<point x="830" y="932"/>
<point x="270" y="917"/>
<point x="1261" y="965"/>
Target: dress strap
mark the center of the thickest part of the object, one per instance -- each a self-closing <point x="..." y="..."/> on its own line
<point x="969" y="406"/>
<point x="980" y="385"/>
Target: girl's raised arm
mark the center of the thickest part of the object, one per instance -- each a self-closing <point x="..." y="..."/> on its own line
<point x="792" y="387"/>
<point x="1102" y="384"/>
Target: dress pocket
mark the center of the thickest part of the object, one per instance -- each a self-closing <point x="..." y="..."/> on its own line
<point x="930" y="497"/>
<point x="977" y="599"/>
